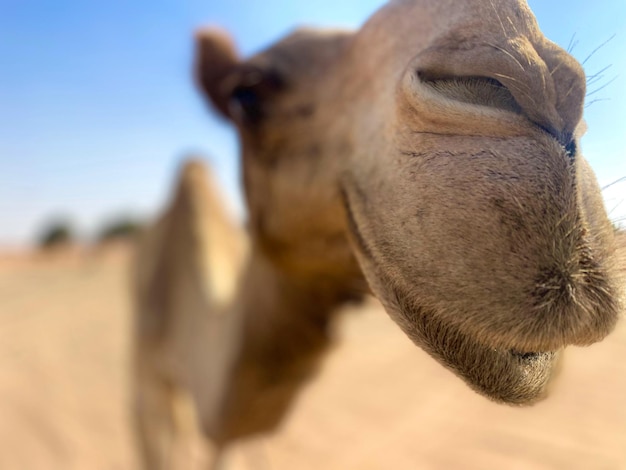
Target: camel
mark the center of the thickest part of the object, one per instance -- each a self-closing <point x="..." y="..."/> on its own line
<point x="430" y="158"/>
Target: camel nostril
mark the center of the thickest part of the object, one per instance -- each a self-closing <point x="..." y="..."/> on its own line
<point x="570" y="149"/>
<point x="566" y="140"/>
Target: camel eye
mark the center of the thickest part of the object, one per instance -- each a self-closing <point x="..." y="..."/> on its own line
<point x="480" y="91"/>
<point x="254" y="91"/>
<point x="245" y="104"/>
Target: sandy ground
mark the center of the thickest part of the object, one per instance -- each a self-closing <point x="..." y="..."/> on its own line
<point x="379" y="403"/>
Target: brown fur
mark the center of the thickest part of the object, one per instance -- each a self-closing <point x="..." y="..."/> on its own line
<point x="434" y="154"/>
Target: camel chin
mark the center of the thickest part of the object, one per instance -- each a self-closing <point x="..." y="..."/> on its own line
<point x="506" y="376"/>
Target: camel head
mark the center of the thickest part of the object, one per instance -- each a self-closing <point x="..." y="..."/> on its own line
<point x="439" y="146"/>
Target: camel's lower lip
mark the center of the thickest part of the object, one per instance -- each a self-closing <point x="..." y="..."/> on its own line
<point x="510" y="376"/>
<point x="513" y="376"/>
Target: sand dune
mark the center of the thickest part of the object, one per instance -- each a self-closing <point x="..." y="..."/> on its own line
<point x="379" y="403"/>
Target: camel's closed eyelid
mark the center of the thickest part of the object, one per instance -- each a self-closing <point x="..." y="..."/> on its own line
<point x="461" y="105"/>
<point x="473" y="90"/>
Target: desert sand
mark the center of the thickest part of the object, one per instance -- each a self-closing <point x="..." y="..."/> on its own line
<point x="379" y="402"/>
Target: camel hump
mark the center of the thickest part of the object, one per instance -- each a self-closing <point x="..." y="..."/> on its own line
<point x="188" y="263"/>
<point x="193" y="172"/>
<point x="196" y="198"/>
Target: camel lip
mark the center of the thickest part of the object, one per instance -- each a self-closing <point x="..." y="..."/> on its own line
<point x="512" y="376"/>
<point x="527" y="375"/>
<point x="530" y="355"/>
<point x="509" y="375"/>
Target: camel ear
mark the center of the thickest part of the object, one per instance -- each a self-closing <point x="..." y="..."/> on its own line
<point x="216" y="58"/>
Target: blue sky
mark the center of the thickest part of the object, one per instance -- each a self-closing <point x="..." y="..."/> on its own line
<point x="97" y="106"/>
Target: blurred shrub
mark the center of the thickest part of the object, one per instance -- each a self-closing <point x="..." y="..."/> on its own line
<point x="119" y="229"/>
<point x="56" y="234"/>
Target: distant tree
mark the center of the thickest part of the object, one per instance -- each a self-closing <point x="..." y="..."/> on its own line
<point x="119" y="229"/>
<point x="56" y="234"/>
